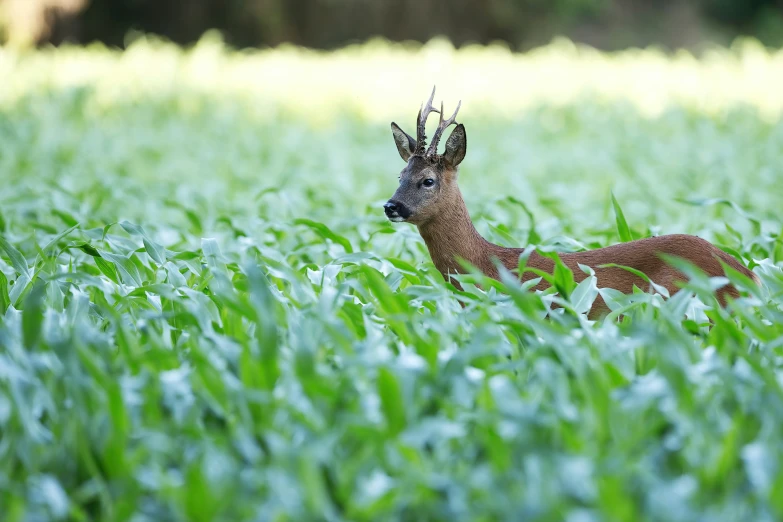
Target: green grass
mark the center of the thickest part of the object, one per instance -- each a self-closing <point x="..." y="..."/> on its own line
<point x="206" y="316"/>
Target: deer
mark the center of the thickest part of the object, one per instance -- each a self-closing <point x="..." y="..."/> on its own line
<point x="429" y="197"/>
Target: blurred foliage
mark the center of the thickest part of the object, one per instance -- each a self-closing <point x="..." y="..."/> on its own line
<point x="606" y="24"/>
<point x="205" y="316"/>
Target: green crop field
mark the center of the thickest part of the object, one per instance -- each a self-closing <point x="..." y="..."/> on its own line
<point x="205" y="315"/>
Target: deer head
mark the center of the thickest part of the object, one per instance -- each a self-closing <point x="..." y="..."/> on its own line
<point x="428" y="183"/>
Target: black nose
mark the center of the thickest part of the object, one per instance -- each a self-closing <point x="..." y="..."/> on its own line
<point x="390" y="207"/>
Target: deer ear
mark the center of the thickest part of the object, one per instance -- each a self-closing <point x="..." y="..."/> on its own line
<point x="456" y="146"/>
<point x="405" y="144"/>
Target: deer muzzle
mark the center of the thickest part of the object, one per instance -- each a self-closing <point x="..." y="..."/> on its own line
<point x="396" y="211"/>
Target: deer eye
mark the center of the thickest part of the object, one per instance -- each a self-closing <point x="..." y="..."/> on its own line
<point x="428" y="182"/>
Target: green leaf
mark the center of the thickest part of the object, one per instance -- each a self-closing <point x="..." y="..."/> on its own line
<point x="161" y="289"/>
<point x="562" y="276"/>
<point x="198" y="496"/>
<point x="658" y="288"/>
<point x="584" y="295"/>
<point x="115" y="451"/>
<point x="127" y="270"/>
<point x="67" y="218"/>
<point x="17" y="259"/>
<point x="707" y="202"/>
<point x="221" y="285"/>
<point x="186" y="255"/>
<point x="325" y="232"/>
<point x="88" y="249"/>
<point x="622" y="225"/>
<point x="266" y="323"/>
<point x="107" y="269"/>
<point x="533" y="237"/>
<point x="392" y="402"/>
<point x="155" y="251"/>
<point x="5" y="299"/>
<point x="32" y="314"/>
<point x="53" y="242"/>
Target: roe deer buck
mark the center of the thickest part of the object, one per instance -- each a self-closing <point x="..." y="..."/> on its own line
<point x="428" y="197"/>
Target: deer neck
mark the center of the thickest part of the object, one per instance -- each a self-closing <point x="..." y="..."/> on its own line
<point x="451" y="235"/>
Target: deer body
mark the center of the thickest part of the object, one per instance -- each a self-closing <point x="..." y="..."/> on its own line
<point x="429" y="198"/>
<point x="454" y="237"/>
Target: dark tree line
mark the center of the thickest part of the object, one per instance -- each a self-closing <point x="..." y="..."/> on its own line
<point x="607" y="24"/>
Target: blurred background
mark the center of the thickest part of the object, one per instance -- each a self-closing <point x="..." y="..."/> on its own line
<point x="152" y="98"/>
<point x="328" y="24"/>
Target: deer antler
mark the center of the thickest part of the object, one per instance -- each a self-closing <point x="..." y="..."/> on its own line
<point x="442" y="125"/>
<point x="424" y="112"/>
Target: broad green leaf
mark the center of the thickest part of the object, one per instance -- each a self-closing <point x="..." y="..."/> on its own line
<point x="584" y="294"/>
<point x="107" y="269"/>
<point x="155" y="251"/>
<point x="127" y="270"/>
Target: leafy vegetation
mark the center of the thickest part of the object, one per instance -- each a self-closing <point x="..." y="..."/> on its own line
<point x="206" y="316"/>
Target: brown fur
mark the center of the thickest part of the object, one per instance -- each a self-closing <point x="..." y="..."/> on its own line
<point x="451" y="235"/>
<point x="439" y="212"/>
